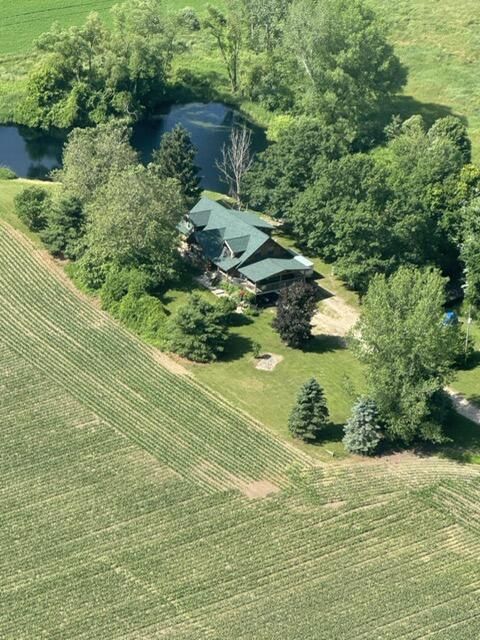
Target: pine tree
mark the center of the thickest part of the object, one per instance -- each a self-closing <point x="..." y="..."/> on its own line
<point x="175" y="158"/>
<point x="363" y="429"/>
<point x="310" y="414"/>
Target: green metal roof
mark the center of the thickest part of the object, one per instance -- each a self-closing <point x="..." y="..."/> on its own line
<point x="270" y="267"/>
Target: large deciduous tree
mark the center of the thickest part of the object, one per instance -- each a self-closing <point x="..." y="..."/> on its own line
<point x="287" y="167"/>
<point x="91" y="156"/>
<point x="132" y="222"/>
<point x="227" y="31"/>
<point x="350" y="70"/>
<point x="409" y="351"/>
<point x="175" y="158"/>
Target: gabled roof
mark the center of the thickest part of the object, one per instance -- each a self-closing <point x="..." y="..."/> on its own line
<point x="270" y="267"/>
<point x="241" y="231"/>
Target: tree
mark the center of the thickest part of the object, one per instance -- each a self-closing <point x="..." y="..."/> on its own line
<point x="226" y="29"/>
<point x="32" y="205"/>
<point x="310" y="413"/>
<point x="287" y="167"/>
<point x="295" y="308"/>
<point x="470" y="254"/>
<point x="265" y="22"/>
<point x="408" y="349"/>
<point x="65" y="226"/>
<point x="175" y="158"/>
<point x="92" y="156"/>
<point x="349" y="69"/>
<point x="87" y="74"/>
<point x="453" y="129"/>
<point x="197" y="331"/>
<point x="133" y="220"/>
<point x="236" y="160"/>
<point x="342" y="216"/>
<point x="363" y="430"/>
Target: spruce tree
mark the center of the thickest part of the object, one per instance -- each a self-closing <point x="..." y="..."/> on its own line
<point x="175" y="158"/>
<point x="310" y="413"/>
<point x="363" y="429"/>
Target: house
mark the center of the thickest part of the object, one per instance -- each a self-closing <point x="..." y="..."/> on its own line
<point x="239" y="245"/>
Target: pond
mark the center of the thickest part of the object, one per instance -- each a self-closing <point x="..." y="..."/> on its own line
<point x="32" y="153"/>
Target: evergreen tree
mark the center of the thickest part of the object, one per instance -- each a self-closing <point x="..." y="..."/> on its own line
<point x="310" y="413"/>
<point x="175" y="158"/>
<point x="363" y="430"/>
<point x="295" y="308"/>
<point x="65" y="227"/>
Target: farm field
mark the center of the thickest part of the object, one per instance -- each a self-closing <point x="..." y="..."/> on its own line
<point x="444" y="62"/>
<point x="133" y="502"/>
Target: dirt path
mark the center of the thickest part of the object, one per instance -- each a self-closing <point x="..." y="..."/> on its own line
<point x="463" y="406"/>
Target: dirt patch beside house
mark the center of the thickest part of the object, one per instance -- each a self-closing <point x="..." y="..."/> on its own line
<point x="334" y="318"/>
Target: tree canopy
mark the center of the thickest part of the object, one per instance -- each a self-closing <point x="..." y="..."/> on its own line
<point x="310" y="414"/>
<point x="409" y="351"/>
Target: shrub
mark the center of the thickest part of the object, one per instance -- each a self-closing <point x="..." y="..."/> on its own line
<point x="363" y="429"/>
<point x="310" y="413"/>
<point x="92" y="270"/>
<point x="119" y="282"/>
<point x="189" y="19"/>
<point x="7" y="174"/>
<point x="143" y="314"/>
<point x="32" y="206"/>
<point x="197" y="331"/>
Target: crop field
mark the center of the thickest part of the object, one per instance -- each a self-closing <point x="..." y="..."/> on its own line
<point x="133" y="502"/>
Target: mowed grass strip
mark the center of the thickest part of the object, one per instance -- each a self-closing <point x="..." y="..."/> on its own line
<point x="103" y="541"/>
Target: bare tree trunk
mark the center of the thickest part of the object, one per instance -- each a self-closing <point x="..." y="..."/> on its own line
<point x="236" y="160"/>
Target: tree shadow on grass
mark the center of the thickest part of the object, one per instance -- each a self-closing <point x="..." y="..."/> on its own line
<point x="236" y="347"/>
<point x="324" y="344"/>
<point x="464" y="445"/>
<point x="333" y="432"/>
<point x="472" y="363"/>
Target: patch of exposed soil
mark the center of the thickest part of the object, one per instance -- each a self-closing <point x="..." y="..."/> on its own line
<point x="334" y="318"/>
<point x="268" y="361"/>
<point x="259" y="489"/>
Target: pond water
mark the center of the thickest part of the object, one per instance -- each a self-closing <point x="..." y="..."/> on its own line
<point x="32" y="153"/>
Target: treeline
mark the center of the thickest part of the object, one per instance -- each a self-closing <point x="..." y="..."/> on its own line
<point x="411" y="202"/>
<point x="115" y="220"/>
<point x="316" y="57"/>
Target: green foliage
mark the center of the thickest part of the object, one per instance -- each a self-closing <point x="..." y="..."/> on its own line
<point x="133" y="220"/>
<point x="348" y="70"/>
<point x="470" y="254"/>
<point x="86" y="74"/>
<point x="197" y="330"/>
<point x="32" y="207"/>
<point x="456" y="132"/>
<point x="7" y="174"/>
<point x="175" y="158"/>
<point x="287" y="167"/>
<point x="309" y="416"/>
<point x="65" y="226"/>
<point x="295" y="308"/>
<point x="398" y="206"/>
<point x="363" y="430"/>
<point x="409" y="351"/>
<point x="226" y="30"/>
<point x="144" y="314"/>
<point x="189" y="19"/>
<point x="119" y="282"/>
<point x="92" y="156"/>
